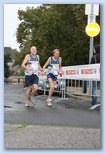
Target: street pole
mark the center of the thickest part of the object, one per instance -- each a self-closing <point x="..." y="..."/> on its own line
<point x="90" y="57"/>
<point x="91" y="18"/>
<point x="91" y="49"/>
<point x="91" y="10"/>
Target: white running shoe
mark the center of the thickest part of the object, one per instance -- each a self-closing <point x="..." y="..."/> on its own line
<point x="49" y="102"/>
<point x="29" y="104"/>
<point x="94" y="106"/>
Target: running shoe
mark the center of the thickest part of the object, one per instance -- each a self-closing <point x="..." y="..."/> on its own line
<point x="94" y="106"/>
<point x="29" y="104"/>
<point x="49" y="102"/>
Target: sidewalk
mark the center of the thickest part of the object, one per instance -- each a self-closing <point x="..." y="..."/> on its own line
<point x="36" y="136"/>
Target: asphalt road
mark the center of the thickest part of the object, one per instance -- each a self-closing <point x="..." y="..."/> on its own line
<point x="25" y="136"/>
<point x="71" y="112"/>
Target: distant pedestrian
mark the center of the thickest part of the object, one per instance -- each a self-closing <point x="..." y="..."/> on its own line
<point x="18" y="80"/>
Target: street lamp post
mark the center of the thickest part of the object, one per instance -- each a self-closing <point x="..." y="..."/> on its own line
<point x="92" y="10"/>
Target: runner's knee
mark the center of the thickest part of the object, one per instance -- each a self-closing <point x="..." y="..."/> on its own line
<point x="52" y="86"/>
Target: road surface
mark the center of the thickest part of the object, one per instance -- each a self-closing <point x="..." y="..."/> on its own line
<point x="70" y="122"/>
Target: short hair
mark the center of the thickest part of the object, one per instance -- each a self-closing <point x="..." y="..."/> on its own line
<point x="53" y="52"/>
<point x="33" y="47"/>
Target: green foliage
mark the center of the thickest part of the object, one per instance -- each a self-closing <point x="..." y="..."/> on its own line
<point x="54" y="26"/>
<point x="21" y="72"/>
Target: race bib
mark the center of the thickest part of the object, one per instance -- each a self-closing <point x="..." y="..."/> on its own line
<point x="29" y="70"/>
<point x="55" y="69"/>
<point x="32" y="68"/>
<point x="35" y="66"/>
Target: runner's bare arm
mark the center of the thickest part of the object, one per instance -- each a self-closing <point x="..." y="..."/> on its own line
<point x="47" y="63"/>
<point x="25" y="61"/>
<point x="40" y="68"/>
<point x="60" y="65"/>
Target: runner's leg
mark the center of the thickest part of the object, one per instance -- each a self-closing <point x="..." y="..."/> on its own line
<point x="52" y="86"/>
<point x="51" y="90"/>
<point x="34" y="89"/>
<point x="28" y="96"/>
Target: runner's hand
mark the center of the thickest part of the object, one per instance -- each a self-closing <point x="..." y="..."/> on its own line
<point x="41" y="69"/>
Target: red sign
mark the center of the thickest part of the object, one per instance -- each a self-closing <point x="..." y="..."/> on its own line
<point x="71" y="72"/>
<point x="88" y="71"/>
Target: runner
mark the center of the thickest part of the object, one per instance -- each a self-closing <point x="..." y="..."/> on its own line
<point x="31" y="65"/>
<point x="54" y="67"/>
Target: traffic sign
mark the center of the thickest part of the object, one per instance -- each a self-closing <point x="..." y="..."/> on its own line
<point x="92" y="29"/>
<point x="92" y="9"/>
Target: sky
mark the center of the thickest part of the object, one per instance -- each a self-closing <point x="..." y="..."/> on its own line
<point x="11" y="23"/>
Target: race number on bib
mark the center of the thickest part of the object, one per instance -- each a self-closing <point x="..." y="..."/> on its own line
<point x="32" y="68"/>
<point x="55" y="69"/>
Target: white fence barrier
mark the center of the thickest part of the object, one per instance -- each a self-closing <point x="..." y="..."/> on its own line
<point x="79" y="72"/>
<point x="73" y="80"/>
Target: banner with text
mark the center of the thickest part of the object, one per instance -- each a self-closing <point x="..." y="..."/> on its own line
<point x="78" y="72"/>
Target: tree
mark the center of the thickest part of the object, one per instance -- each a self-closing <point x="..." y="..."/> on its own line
<point x="55" y="26"/>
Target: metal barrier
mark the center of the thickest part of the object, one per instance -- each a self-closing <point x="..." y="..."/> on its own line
<point x="83" y="80"/>
<point x="59" y="88"/>
<point x="76" y="87"/>
<point x="68" y="88"/>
